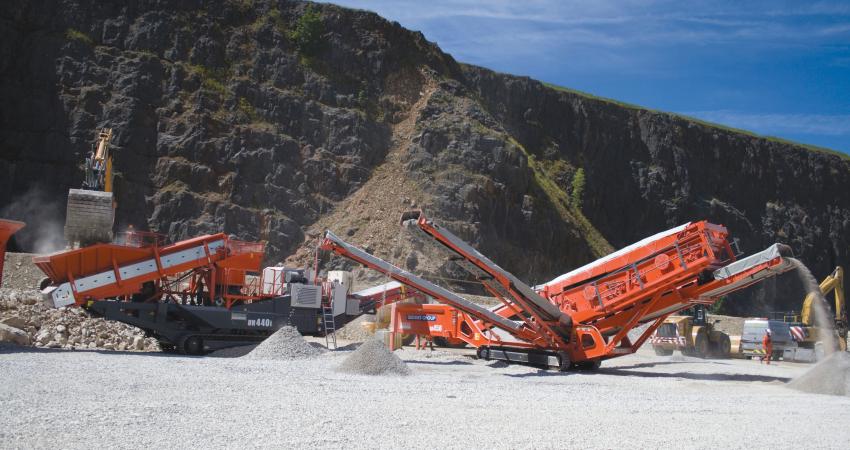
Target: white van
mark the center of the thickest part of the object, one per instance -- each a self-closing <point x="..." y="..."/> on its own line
<point x="754" y="329"/>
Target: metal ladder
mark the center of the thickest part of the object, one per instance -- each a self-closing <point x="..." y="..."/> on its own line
<point x="330" y="324"/>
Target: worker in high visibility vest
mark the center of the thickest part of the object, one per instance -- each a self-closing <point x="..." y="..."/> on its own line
<point x="767" y="343"/>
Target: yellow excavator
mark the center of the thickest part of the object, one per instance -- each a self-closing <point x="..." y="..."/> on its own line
<point x="90" y="214"/>
<point x="813" y="334"/>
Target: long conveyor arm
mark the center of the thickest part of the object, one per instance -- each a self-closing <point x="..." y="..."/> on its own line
<point x="484" y="265"/>
<point x="342" y="248"/>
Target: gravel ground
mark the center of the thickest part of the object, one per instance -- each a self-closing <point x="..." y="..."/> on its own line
<point x="84" y="399"/>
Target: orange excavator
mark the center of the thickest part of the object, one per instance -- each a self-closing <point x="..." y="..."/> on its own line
<point x="582" y="317"/>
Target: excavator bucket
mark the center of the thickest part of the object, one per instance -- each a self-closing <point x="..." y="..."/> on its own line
<point x="89" y="217"/>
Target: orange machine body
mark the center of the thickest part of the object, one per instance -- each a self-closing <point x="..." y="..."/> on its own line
<point x="212" y="265"/>
<point x="7" y="229"/>
<point x="587" y="313"/>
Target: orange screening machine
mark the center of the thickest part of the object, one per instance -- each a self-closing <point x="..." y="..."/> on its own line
<point x="584" y="316"/>
<point x="206" y="269"/>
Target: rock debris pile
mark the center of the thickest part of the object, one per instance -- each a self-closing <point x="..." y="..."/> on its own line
<point x="24" y="320"/>
<point x="354" y="331"/>
<point x="374" y="358"/>
<point x="286" y="343"/>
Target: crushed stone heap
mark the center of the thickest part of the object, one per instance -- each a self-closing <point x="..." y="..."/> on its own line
<point x="830" y="376"/>
<point x="354" y="331"/>
<point x="374" y="358"/>
<point x="27" y="321"/>
<point x="286" y="343"/>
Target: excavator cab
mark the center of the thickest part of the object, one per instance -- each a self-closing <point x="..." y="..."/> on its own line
<point x="90" y="214"/>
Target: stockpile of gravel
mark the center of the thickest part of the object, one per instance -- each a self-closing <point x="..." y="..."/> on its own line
<point x="830" y="376"/>
<point x="374" y="358"/>
<point x="286" y="343"/>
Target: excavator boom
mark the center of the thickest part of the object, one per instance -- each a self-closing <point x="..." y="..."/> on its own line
<point x="90" y="212"/>
<point x="832" y="282"/>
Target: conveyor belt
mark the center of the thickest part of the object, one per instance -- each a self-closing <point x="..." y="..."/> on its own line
<point x="63" y="294"/>
<point x="443" y="295"/>
<point x="487" y="268"/>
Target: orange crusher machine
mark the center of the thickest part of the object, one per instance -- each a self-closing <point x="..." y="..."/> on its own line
<point x="7" y="229"/>
<point x="200" y="294"/>
<point x="584" y="316"/>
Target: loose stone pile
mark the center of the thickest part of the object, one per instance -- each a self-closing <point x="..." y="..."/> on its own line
<point x="24" y="320"/>
<point x="830" y="376"/>
<point x="374" y="358"/>
<point x="286" y="343"/>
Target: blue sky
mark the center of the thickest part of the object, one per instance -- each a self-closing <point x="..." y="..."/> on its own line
<point x="776" y="68"/>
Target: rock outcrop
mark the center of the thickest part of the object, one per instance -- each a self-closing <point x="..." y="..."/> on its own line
<point x="272" y="120"/>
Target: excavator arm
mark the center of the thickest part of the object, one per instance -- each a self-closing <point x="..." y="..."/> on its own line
<point x="832" y="282"/>
<point x="90" y="213"/>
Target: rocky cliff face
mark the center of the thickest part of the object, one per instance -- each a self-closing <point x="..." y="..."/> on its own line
<point x="647" y="171"/>
<point x="272" y="120"/>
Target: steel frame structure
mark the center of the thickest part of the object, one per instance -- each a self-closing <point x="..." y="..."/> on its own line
<point x="582" y="317"/>
<point x="204" y="269"/>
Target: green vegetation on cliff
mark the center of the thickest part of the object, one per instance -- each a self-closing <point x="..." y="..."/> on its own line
<point x="545" y="179"/>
